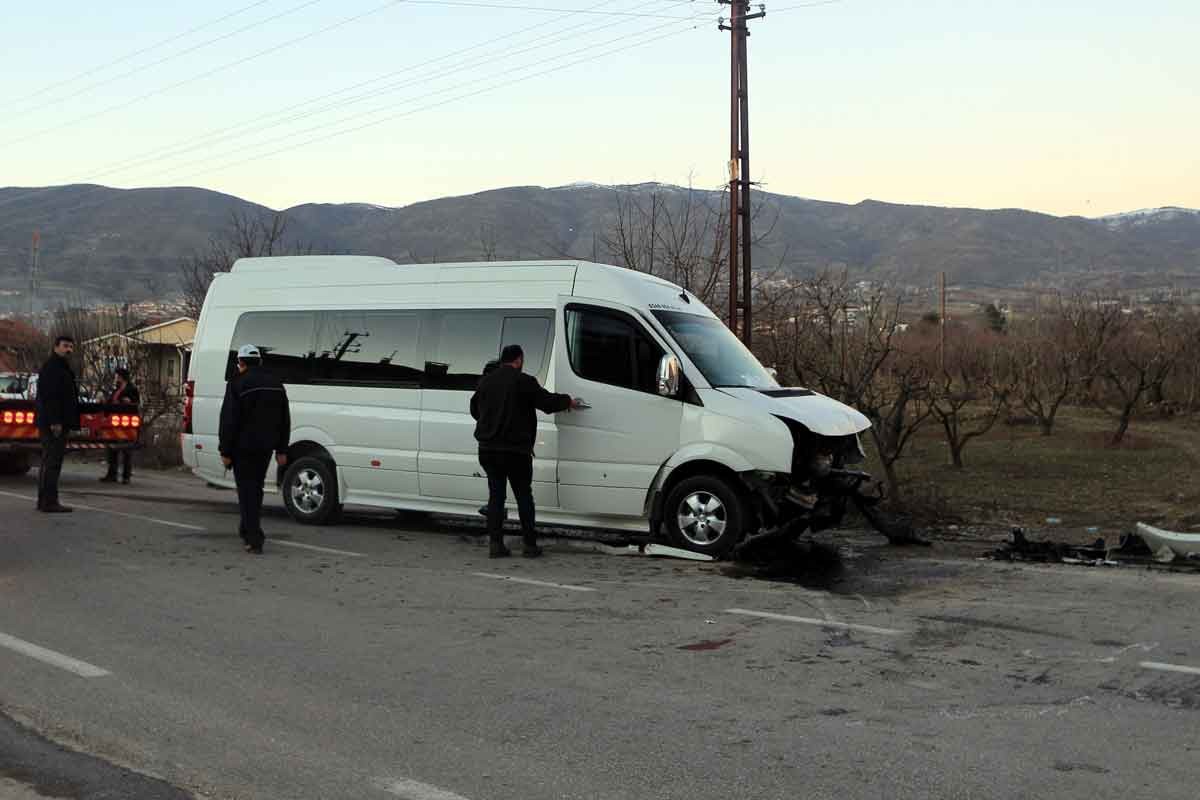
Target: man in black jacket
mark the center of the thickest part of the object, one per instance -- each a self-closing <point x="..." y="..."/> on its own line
<point x="57" y="415"/>
<point x="505" y="406"/>
<point x="255" y="422"/>
<point x="124" y="393"/>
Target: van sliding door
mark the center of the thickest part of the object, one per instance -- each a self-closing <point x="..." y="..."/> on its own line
<point x="460" y="344"/>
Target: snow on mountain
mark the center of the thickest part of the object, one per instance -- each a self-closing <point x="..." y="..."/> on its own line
<point x="1148" y="215"/>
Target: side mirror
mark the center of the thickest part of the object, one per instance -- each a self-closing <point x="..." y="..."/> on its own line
<point x="774" y="373"/>
<point x="669" y="372"/>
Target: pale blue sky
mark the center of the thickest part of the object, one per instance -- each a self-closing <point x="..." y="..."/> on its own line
<point x="1068" y="107"/>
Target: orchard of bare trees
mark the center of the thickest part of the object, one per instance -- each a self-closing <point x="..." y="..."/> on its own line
<point x="908" y="370"/>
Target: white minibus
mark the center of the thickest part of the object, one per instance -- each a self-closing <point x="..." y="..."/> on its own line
<point x="687" y="436"/>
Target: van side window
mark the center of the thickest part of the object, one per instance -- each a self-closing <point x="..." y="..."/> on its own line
<point x="533" y="334"/>
<point x="285" y="339"/>
<point x="462" y="343"/>
<point x="610" y="347"/>
<point x="371" y="348"/>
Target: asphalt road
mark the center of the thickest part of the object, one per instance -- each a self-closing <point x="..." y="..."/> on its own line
<point x="384" y="658"/>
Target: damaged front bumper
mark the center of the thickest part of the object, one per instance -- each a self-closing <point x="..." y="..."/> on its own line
<point x="824" y="481"/>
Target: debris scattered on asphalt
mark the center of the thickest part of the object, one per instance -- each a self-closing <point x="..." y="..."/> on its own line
<point x="647" y="549"/>
<point x="1149" y="547"/>
<point x="1020" y="548"/>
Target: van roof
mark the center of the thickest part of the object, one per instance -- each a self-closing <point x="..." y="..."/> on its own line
<point x="374" y="265"/>
<point x="530" y="280"/>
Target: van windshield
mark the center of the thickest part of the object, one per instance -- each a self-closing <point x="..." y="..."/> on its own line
<point x="717" y="353"/>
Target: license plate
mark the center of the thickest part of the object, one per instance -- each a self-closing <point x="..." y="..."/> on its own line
<point x="84" y="433"/>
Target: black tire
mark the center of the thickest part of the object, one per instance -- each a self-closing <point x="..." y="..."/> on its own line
<point x="717" y="510"/>
<point x="15" y="463"/>
<point x="310" y="491"/>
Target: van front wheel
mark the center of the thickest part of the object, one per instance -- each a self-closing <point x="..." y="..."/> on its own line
<point x="310" y="491"/>
<point x="706" y="515"/>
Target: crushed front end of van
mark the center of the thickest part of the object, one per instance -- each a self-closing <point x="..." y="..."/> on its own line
<point x="825" y="476"/>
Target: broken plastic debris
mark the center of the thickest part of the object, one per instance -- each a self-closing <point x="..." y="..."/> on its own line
<point x="1166" y="545"/>
<point x="674" y="552"/>
<point x="1053" y="520"/>
<point x="639" y="549"/>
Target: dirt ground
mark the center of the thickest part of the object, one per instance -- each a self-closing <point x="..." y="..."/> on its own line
<point x="1014" y="476"/>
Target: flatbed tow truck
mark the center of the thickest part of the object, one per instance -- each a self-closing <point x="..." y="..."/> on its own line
<point x="102" y="426"/>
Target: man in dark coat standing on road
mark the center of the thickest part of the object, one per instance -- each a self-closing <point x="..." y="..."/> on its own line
<point x="57" y="415"/>
<point x="124" y="393"/>
<point x="505" y="406"/>
<point x="255" y="422"/>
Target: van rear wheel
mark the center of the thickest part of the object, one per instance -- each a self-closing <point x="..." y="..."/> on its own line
<point x="706" y="515"/>
<point x="310" y="491"/>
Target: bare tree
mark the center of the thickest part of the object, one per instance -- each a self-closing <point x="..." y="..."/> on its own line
<point x="847" y="341"/>
<point x="1186" y="378"/>
<point x="681" y="235"/>
<point x="1053" y="358"/>
<point x="970" y="391"/>
<point x="898" y="403"/>
<point x="1138" y="358"/>
<point x="248" y="235"/>
<point x="487" y="242"/>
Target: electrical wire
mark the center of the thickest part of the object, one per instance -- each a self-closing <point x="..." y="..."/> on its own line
<point x="189" y="146"/>
<point x="135" y="53"/>
<point x="269" y="120"/>
<point x="208" y="74"/>
<point x="468" y="95"/>
<point x="140" y="69"/>
<point x="458" y="98"/>
<point x="553" y="10"/>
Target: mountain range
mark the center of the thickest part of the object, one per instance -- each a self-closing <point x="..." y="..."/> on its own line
<point x="118" y="244"/>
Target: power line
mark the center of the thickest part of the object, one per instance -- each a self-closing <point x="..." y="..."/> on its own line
<point x="800" y="6"/>
<point x="479" y="64"/>
<point x="315" y="128"/>
<point x="439" y="104"/>
<point x="180" y="149"/>
<point x="465" y="96"/>
<point x="140" y="69"/>
<point x="136" y="53"/>
<point x="269" y="120"/>
<point x="209" y="73"/>
<point x="558" y="10"/>
<point x="430" y="106"/>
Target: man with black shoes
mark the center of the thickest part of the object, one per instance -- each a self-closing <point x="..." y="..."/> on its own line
<point x="57" y="415"/>
<point x="124" y="394"/>
<point x="505" y="406"/>
<point x="256" y="421"/>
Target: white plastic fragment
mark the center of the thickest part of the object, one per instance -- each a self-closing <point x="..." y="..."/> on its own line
<point x="674" y="552"/>
<point x="1166" y="545"/>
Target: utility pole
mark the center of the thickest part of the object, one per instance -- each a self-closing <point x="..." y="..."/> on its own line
<point x="33" y="276"/>
<point x="739" y="164"/>
<point x="942" y="322"/>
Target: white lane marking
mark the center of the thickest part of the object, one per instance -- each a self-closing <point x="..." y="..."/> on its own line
<point x="155" y="520"/>
<point x="532" y="582"/>
<point x="80" y="668"/>
<point x="415" y="790"/>
<point x="1162" y="667"/>
<point x="315" y="548"/>
<point x="199" y="528"/>
<point x="820" y="623"/>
